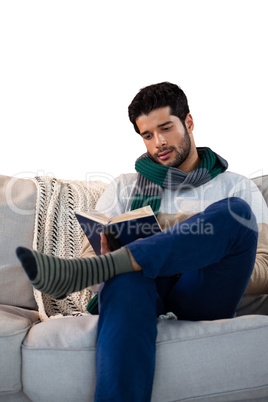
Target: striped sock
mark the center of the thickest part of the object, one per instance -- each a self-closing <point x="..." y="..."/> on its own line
<point x="59" y="277"/>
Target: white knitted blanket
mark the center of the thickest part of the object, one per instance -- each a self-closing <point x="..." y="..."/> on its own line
<point x="57" y="232"/>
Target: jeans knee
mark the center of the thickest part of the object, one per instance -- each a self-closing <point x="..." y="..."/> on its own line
<point x="241" y="212"/>
<point x="236" y="211"/>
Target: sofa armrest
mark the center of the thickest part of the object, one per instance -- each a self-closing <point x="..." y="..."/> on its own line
<point x="15" y="323"/>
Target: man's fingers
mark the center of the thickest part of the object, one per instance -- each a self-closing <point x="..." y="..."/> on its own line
<point x="104" y="244"/>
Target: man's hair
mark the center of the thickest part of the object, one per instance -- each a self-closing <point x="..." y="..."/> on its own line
<point x="156" y="96"/>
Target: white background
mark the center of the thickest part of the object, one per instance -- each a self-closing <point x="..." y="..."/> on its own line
<point x="69" y="70"/>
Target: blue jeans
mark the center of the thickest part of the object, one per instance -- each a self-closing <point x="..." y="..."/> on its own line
<point x="214" y="250"/>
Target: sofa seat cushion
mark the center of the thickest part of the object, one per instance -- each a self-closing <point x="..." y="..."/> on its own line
<point x="18" y="397"/>
<point x="223" y="360"/>
<point x="14" y="324"/>
<point x="210" y="361"/>
<point x="59" y="359"/>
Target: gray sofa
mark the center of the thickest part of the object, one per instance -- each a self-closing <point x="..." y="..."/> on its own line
<point x="54" y="360"/>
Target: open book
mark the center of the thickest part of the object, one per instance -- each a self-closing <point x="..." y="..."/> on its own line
<point x="120" y="230"/>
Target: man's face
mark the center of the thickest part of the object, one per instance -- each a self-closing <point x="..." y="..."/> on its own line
<point x="165" y="137"/>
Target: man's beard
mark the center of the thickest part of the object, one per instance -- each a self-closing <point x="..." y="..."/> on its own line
<point x="181" y="152"/>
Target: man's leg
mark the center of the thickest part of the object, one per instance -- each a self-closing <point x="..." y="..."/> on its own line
<point x="212" y="292"/>
<point x="126" y="339"/>
<point x="203" y="292"/>
<point x="217" y="234"/>
<point x="226" y="243"/>
<point x="216" y="264"/>
<point x="59" y="277"/>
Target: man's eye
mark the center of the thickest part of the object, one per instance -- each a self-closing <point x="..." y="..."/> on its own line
<point x="167" y="128"/>
<point x="147" y="137"/>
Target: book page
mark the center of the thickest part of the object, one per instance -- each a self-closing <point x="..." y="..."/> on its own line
<point x="135" y="214"/>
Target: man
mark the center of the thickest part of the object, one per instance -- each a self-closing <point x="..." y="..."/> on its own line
<point x="198" y="267"/>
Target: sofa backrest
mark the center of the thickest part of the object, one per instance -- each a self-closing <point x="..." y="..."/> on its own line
<point x="262" y="183"/>
<point x="18" y="201"/>
<point x="17" y="215"/>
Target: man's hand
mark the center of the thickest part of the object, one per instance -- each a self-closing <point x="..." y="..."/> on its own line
<point x="105" y="249"/>
<point x="104" y="244"/>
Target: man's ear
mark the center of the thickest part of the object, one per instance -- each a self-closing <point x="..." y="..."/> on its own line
<point x="189" y="122"/>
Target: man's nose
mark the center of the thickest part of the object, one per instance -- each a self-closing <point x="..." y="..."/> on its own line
<point x="160" y="140"/>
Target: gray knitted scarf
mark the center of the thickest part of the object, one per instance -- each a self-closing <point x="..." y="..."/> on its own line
<point x="153" y="177"/>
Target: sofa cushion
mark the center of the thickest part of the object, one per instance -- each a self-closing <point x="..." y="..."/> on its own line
<point x="59" y="360"/>
<point x="211" y="361"/>
<point x="17" y="397"/>
<point x="224" y="360"/>
<point x="262" y="183"/>
<point x="14" y="325"/>
<point x="253" y="304"/>
<point x="17" y="215"/>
